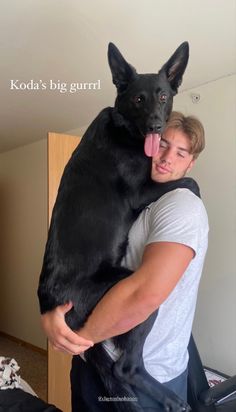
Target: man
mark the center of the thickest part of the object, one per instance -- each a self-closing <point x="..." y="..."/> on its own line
<point x="167" y="247"/>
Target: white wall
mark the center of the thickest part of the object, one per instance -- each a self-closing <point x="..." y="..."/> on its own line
<point x="23" y="223"/>
<point x="215" y="170"/>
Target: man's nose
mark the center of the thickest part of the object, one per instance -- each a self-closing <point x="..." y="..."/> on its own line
<point x="167" y="156"/>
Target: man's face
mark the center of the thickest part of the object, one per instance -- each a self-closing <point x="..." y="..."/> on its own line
<point x="173" y="160"/>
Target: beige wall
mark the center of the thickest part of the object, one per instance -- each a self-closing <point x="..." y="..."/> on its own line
<point x="215" y="327"/>
<point x="23" y="222"/>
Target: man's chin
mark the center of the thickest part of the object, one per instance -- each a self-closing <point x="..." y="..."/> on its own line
<point x="165" y="178"/>
<point x="162" y="178"/>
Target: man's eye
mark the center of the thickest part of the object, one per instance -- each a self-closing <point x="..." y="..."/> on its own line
<point x="181" y="154"/>
<point x="163" y="144"/>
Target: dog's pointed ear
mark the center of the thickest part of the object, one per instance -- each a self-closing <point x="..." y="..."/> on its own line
<point x="175" y="67"/>
<point x="122" y="72"/>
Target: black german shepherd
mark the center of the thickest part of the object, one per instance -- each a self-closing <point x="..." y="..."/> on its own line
<point x="104" y="187"/>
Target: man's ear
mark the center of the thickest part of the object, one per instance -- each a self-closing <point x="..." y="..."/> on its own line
<point x="191" y="164"/>
<point x="175" y="67"/>
<point x="122" y="72"/>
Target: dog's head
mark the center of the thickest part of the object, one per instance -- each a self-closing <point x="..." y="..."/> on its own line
<point x="145" y="100"/>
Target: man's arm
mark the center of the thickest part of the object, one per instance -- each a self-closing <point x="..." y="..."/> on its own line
<point x="130" y="301"/>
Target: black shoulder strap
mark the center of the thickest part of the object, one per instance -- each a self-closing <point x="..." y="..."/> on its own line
<point x="183" y="183"/>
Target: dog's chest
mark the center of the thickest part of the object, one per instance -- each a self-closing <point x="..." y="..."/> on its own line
<point x="133" y="170"/>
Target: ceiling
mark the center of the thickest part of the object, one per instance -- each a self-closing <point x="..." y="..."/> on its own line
<point x="65" y="41"/>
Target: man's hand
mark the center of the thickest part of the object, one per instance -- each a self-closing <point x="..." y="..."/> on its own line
<point x="60" y="335"/>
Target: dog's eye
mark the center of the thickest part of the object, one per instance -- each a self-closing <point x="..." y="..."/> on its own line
<point x="138" y="99"/>
<point x="163" y="97"/>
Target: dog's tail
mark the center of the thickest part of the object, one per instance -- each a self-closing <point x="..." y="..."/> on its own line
<point x="119" y="394"/>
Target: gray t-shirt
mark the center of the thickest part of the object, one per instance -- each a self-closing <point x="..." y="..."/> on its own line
<point x="178" y="216"/>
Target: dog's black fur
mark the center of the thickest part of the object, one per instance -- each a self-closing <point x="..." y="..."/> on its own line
<point x="104" y="186"/>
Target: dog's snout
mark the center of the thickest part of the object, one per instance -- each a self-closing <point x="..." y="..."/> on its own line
<point x="154" y="125"/>
<point x="154" y="128"/>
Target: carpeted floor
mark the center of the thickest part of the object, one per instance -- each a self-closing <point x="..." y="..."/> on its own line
<point x="33" y="365"/>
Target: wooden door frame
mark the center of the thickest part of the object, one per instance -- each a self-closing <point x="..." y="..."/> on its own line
<point x="59" y="150"/>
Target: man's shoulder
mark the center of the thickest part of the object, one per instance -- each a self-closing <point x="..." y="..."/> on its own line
<point x="179" y="195"/>
<point x="179" y="201"/>
<point x="178" y="216"/>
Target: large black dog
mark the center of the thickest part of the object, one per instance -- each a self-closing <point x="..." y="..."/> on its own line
<point x="105" y="185"/>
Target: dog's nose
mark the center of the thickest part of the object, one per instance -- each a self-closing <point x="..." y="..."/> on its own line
<point x="154" y="128"/>
<point x="154" y="124"/>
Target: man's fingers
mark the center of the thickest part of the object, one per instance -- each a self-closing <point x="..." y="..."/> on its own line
<point x="63" y="309"/>
<point x="75" y="339"/>
<point x="69" y="342"/>
<point x="67" y="347"/>
<point x="60" y="335"/>
<point x="76" y="351"/>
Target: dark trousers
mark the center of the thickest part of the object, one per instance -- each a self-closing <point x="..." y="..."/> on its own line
<point x="89" y="395"/>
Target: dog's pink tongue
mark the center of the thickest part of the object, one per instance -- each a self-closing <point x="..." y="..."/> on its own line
<point x="151" y="144"/>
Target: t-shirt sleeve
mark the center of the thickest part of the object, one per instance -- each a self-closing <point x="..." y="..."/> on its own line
<point x="178" y="217"/>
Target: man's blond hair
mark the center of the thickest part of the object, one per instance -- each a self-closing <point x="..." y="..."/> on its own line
<point x="193" y="129"/>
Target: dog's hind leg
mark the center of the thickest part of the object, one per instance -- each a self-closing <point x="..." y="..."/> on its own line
<point x="165" y="398"/>
<point x="119" y="394"/>
<point x="122" y="377"/>
<point x="121" y="391"/>
<point x="130" y="369"/>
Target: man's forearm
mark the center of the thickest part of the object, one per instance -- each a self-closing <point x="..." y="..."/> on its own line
<point x="129" y="303"/>
<point x="132" y="300"/>
<point x="121" y="309"/>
